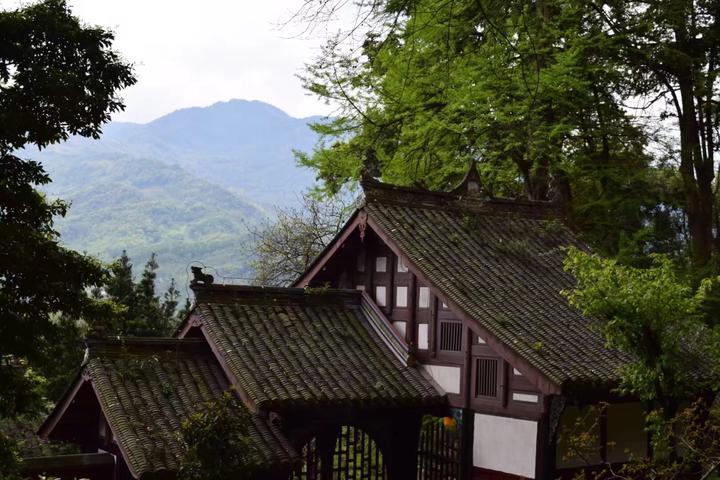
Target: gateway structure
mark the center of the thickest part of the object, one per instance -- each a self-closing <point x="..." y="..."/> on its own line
<point x="473" y="285"/>
<point x="430" y="340"/>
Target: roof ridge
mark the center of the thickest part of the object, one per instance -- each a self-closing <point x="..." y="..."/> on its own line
<point x="461" y="199"/>
<point x="221" y="293"/>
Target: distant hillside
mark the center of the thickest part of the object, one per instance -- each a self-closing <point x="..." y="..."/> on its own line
<point x="185" y="186"/>
<point x="244" y="146"/>
<point x="145" y="206"/>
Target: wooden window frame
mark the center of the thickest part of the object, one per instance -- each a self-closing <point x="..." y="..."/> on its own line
<point x="499" y="383"/>
<point x="457" y="325"/>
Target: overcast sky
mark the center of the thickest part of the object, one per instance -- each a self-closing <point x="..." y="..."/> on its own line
<point x="195" y="53"/>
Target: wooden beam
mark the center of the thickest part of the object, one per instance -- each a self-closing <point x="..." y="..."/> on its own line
<point x="433" y="325"/>
<point x="383" y="327"/>
<point x="192" y="320"/>
<point x="390" y="297"/>
<point x="411" y="333"/>
<point x="467" y="366"/>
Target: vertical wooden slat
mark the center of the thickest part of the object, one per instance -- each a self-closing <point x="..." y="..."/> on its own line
<point x="432" y="328"/>
<point x="411" y="333"/>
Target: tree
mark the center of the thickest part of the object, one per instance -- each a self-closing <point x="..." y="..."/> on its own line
<point x="283" y="250"/>
<point x="144" y="313"/>
<point x="219" y="443"/>
<point x="657" y="317"/>
<point x="541" y="92"/>
<point x="57" y="78"/>
<point x="670" y="51"/>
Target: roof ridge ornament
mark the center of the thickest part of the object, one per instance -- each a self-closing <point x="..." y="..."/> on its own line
<point x="471" y="184"/>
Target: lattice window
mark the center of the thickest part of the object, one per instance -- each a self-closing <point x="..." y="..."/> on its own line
<point x="451" y="336"/>
<point x="486" y="377"/>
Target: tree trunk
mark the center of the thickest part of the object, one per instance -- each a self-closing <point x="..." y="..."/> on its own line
<point x="697" y="180"/>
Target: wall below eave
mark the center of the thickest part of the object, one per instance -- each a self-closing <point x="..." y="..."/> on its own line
<point x="504" y="444"/>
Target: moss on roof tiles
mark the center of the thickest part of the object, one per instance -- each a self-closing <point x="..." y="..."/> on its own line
<point x="505" y="269"/>
<point x="307" y="351"/>
<point x="148" y="388"/>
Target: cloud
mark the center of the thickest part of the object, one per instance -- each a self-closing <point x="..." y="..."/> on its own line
<point x="195" y="53"/>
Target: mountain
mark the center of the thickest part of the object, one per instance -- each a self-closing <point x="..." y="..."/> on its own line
<point x="186" y="186"/>
<point x="243" y="146"/>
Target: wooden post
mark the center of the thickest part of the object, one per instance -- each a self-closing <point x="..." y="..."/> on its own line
<point x="411" y="331"/>
<point x="369" y="269"/>
<point x="467" y="367"/>
<point x="403" y="440"/>
<point x="432" y="328"/>
<point x="325" y="445"/>
<point x="466" y="443"/>
<point x="390" y="297"/>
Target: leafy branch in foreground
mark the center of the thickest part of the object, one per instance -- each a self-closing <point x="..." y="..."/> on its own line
<point x="58" y="77"/>
<point x="668" y="329"/>
<point x="219" y="444"/>
<point x="654" y="315"/>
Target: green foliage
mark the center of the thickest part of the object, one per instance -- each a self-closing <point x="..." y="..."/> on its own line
<point x="66" y="350"/>
<point x="144" y="313"/>
<point x="57" y="78"/>
<point x="9" y="458"/>
<point x="219" y="444"/>
<point x="144" y="206"/>
<point x="539" y="91"/>
<point x="654" y="315"/>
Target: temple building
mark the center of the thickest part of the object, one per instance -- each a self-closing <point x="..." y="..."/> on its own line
<point x="430" y="340"/>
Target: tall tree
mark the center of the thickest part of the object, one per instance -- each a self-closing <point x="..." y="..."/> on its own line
<point x="529" y="87"/>
<point x="669" y="50"/>
<point x="58" y="78"/>
<point x="144" y="313"/>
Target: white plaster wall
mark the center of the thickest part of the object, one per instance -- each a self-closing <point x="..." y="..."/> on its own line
<point x="423" y="343"/>
<point x="380" y="296"/>
<point x="401" y="297"/>
<point x="525" y="397"/>
<point x="505" y="444"/>
<point x="447" y="377"/>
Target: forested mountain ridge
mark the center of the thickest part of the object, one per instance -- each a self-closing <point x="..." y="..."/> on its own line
<point x="186" y="186"/>
<point x="244" y="146"/>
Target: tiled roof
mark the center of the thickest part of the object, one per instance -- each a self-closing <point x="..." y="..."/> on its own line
<point x="501" y="262"/>
<point x="292" y="349"/>
<point x="148" y="387"/>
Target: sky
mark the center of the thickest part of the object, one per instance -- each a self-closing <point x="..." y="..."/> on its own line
<point x="195" y="53"/>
